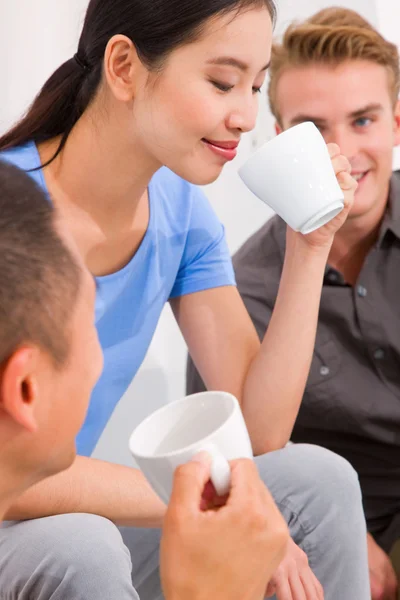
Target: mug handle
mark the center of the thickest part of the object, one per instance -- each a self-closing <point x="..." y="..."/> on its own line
<point x="220" y="470"/>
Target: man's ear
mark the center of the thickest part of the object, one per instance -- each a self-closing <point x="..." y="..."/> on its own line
<point x="121" y="66"/>
<point x="278" y="128"/>
<point x="397" y="124"/>
<point x="19" y="389"/>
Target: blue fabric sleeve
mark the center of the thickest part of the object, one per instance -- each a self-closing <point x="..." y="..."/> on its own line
<point x="206" y="261"/>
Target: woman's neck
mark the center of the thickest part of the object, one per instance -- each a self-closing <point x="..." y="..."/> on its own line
<point x="99" y="169"/>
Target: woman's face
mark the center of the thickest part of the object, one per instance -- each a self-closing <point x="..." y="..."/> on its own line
<point x="190" y="117"/>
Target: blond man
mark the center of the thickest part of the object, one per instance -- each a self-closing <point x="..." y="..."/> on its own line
<point x="336" y="70"/>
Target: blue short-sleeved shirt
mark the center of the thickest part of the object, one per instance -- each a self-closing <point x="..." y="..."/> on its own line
<point x="183" y="251"/>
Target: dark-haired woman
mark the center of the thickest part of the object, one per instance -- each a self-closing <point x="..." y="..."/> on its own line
<point x="156" y="100"/>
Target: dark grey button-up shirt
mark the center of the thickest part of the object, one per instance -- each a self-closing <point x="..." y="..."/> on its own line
<point x="352" y="400"/>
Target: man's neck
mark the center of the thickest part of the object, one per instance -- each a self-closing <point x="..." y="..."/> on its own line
<point x="10" y="488"/>
<point x="354" y="241"/>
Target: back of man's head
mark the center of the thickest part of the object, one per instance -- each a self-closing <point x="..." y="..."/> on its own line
<point x="331" y="37"/>
<point x="39" y="278"/>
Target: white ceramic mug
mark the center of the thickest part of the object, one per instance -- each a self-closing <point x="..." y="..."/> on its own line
<point x="293" y="174"/>
<point x="173" y="434"/>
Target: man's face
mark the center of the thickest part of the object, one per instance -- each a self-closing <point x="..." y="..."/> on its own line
<point x="68" y="389"/>
<point x="351" y="105"/>
<point x="65" y="391"/>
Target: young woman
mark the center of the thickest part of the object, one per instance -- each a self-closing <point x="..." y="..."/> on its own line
<point x="156" y="100"/>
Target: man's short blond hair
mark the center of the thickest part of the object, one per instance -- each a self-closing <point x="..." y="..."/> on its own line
<point x="331" y="37"/>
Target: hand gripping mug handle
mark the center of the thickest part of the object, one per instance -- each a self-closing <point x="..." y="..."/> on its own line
<point x="220" y="470"/>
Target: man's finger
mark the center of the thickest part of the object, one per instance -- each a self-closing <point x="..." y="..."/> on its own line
<point x="189" y="482"/>
<point x="245" y="480"/>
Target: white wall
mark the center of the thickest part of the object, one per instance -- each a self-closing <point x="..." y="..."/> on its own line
<point x="388" y="14"/>
<point x="35" y="37"/>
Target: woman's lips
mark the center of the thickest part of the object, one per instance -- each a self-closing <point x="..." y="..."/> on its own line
<point x="226" y="150"/>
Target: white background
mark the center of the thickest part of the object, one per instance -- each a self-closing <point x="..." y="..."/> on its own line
<point x="36" y="36"/>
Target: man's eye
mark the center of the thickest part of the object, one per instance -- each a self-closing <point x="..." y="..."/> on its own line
<point x="362" y="122"/>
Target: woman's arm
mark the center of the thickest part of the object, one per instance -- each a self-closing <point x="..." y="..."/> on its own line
<point x="268" y="379"/>
<point x="119" y="493"/>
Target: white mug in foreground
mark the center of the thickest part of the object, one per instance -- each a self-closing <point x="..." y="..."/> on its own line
<point x="293" y="174"/>
<point x="173" y="434"/>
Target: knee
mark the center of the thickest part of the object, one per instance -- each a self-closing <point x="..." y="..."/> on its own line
<point x="92" y="543"/>
<point x="81" y="544"/>
<point x="328" y="474"/>
<point x="316" y="477"/>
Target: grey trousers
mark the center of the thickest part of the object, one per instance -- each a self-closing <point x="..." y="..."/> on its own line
<point x="85" y="557"/>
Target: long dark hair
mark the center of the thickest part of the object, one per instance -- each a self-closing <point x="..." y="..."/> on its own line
<point x="155" y="27"/>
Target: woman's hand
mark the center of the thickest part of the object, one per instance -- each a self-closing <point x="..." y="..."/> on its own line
<point x="323" y="237"/>
<point x="294" y="579"/>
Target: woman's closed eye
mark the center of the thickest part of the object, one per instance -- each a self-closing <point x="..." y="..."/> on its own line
<point x="225" y="87"/>
<point x="222" y="87"/>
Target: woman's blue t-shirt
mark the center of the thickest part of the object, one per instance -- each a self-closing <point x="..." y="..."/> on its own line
<point x="183" y="251"/>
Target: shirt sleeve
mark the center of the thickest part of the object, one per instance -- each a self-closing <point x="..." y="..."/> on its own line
<point x="206" y="261"/>
<point x="258" y="268"/>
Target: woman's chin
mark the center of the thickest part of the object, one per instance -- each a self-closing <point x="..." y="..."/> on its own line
<point x="204" y="177"/>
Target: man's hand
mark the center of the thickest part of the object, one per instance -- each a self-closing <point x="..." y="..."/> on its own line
<point x="227" y="551"/>
<point x="384" y="584"/>
<point x="294" y="580"/>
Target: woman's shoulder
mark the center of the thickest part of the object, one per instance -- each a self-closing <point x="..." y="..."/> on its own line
<point x="25" y="157"/>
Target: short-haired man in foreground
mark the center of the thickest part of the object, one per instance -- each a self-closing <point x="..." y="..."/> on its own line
<point x="336" y="70"/>
<point x="50" y="359"/>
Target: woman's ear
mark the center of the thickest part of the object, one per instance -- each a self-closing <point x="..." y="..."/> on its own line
<point x="18" y="388"/>
<point x="122" y="65"/>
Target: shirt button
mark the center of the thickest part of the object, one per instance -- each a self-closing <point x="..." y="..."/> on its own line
<point x="361" y="291"/>
<point x="324" y="371"/>
<point x="379" y="354"/>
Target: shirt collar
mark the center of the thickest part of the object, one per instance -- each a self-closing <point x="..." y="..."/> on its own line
<point x="392" y="217"/>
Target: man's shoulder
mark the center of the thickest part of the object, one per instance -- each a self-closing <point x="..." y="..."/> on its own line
<point x="265" y="247"/>
<point x="396" y="177"/>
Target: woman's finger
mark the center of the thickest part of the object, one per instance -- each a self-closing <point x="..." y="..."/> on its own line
<point x="311" y="586"/>
<point x="341" y="163"/>
<point x="283" y="591"/>
<point x="297" y="588"/>
<point x="346" y="181"/>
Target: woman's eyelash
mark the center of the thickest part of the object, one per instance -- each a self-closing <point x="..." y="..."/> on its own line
<point x="223" y="87"/>
<point x="227" y="88"/>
